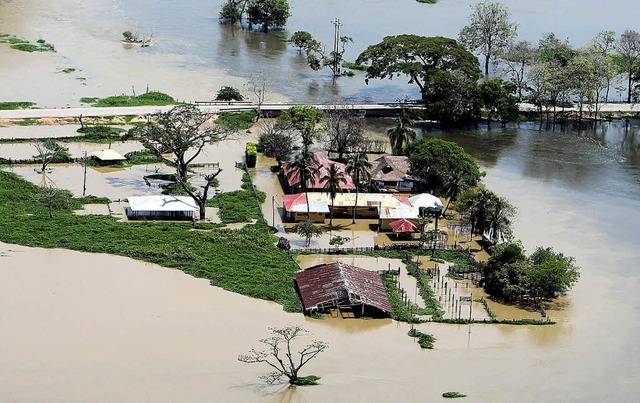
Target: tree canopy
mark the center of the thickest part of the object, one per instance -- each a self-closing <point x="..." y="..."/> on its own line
<point x="433" y="159"/>
<point x="268" y="13"/>
<point x="303" y="119"/>
<point x="419" y="58"/>
<point x="489" y="31"/>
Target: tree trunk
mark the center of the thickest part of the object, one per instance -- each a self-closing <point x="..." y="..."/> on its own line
<point x="486" y="67"/>
<point x="629" y="90"/>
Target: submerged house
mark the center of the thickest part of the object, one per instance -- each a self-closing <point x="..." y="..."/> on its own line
<point x="342" y="286"/>
<point x="107" y="157"/>
<point x="162" y="207"/>
<point x="316" y="184"/>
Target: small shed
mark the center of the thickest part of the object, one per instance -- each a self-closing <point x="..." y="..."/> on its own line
<point x="340" y="285"/>
<point x="163" y="207"/>
<point x="427" y="201"/>
<point x="107" y="157"/>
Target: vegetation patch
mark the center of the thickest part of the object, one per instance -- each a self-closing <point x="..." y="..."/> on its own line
<point x="355" y="66"/>
<point x="425" y="340"/>
<point x="5" y="106"/>
<point x="239" y="205"/>
<point x="236" y="120"/>
<point x="452" y="395"/>
<point x="68" y="70"/>
<point x="306" y="380"/>
<point x="153" y="98"/>
<point x="102" y="132"/>
<point x="245" y="261"/>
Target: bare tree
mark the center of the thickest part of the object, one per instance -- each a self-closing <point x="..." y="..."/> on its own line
<point x="52" y="197"/>
<point x="258" y="85"/>
<point x="279" y="354"/>
<point x="628" y="46"/>
<point x="49" y="151"/>
<point x="516" y="58"/>
<point x="184" y="131"/>
<point x="345" y="128"/>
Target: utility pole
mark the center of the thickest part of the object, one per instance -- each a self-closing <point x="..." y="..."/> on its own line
<point x="336" y="42"/>
<point x="84" y="179"/>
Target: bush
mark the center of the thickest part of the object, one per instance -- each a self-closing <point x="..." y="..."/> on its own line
<point x="229" y="94"/>
<point x="450" y="394"/>
<point x="236" y="120"/>
<point x="153" y="98"/>
<point x="101" y="132"/>
<point x="251" y="155"/>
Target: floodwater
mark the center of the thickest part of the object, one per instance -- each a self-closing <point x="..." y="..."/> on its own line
<point x="76" y="149"/>
<point x="194" y="55"/>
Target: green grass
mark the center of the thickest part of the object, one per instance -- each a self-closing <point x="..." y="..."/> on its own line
<point x="425" y="340"/>
<point x="68" y="70"/>
<point x="149" y="98"/>
<point x="102" y="132"/>
<point x="25" y="46"/>
<point x="239" y="205"/>
<point x="354" y="66"/>
<point x="15" y="105"/>
<point x="244" y="261"/>
<point x="237" y="120"/>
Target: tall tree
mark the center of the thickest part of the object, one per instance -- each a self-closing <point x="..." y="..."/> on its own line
<point x="304" y="166"/>
<point x="432" y="159"/>
<point x="628" y="47"/>
<point x="487" y="212"/>
<point x="184" y="131"/>
<point x="333" y="180"/>
<point x="345" y="128"/>
<point x="604" y="43"/>
<point x="550" y="274"/>
<point x="301" y="40"/>
<point x="49" y="151"/>
<point x="401" y="134"/>
<point x="307" y="229"/>
<point x="419" y="58"/>
<point x="489" y="31"/>
<point x="228" y="93"/>
<point x="359" y="167"/>
<point x="318" y="57"/>
<point x="268" y="13"/>
<point x="303" y="119"/>
<point x="498" y="101"/>
<point x="275" y="140"/>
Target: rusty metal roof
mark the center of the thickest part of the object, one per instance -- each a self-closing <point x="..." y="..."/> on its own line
<point x="323" y="284"/>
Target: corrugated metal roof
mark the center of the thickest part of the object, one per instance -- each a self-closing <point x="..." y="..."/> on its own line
<point x="403" y="225"/>
<point x="320" y="285"/>
<point x="390" y="168"/>
<point x="108" y="155"/>
<point x="162" y="203"/>
<point x="316" y="182"/>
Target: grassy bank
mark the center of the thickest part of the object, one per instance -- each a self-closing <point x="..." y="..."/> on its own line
<point x="153" y="98"/>
<point x="243" y="261"/>
<point x="5" y="106"/>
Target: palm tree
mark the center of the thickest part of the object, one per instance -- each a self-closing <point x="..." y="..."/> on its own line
<point x="454" y="183"/>
<point x="401" y="134"/>
<point x="499" y="218"/>
<point x="359" y="168"/>
<point x="305" y="167"/>
<point x="332" y="181"/>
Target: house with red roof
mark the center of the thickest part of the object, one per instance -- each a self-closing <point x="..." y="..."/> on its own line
<point x="315" y="184"/>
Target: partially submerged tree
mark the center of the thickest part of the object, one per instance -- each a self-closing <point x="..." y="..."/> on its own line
<point x="50" y="152"/>
<point x="345" y="128"/>
<point x="307" y="230"/>
<point x="268" y="13"/>
<point x="488" y="213"/>
<point x="280" y="355"/>
<point x="318" y="57"/>
<point x="489" y="31"/>
<point x="516" y="58"/>
<point x="305" y="167"/>
<point x="228" y="93"/>
<point x="628" y="46"/>
<point x="419" y="58"/>
<point x="184" y="131"/>
<point x="301" y="40"/>
<point x="497" y="101"/>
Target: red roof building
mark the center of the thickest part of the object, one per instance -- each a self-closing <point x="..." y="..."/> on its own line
<point x="316" y="183"/>
<point x="341" y="285"/>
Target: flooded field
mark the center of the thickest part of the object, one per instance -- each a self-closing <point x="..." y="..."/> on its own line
<point x="150" y="333"/>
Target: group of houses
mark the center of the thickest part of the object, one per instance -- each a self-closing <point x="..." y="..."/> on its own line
<point x="389" y="175"/>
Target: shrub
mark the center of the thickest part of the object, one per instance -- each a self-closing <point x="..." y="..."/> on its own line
<point x="15" y="105"/>
<point x="450" y="394"/>
<point x="236" y="120"/>
<point x="251" y="154"/>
